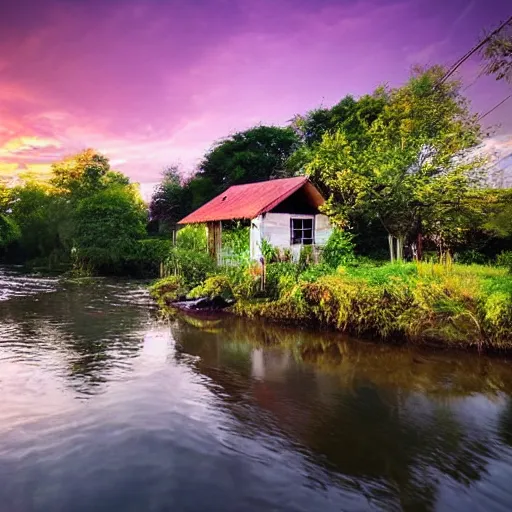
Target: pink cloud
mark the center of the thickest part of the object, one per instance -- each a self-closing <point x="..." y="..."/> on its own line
<point x="151" y="83"/>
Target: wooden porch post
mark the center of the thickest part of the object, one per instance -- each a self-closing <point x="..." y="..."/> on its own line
<point x="214" y="237"/>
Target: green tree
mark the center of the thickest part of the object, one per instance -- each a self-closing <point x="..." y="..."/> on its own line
<point x="497" y="54"/>
<point x="83" y="174"/>
<point x="9" y="231"/>
<point x="43" y="218"/>
<point x="170" y="201"/>
<point x="107" y="226"/>
<point x="349" y="116"/>
<point x="256" y="154"/>
<point x="497" y="204"/>
<point x="408" y="164"/>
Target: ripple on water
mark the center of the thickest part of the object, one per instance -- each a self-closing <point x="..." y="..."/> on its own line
<point x="105" y="408"/>
<point x="14" y="284"/>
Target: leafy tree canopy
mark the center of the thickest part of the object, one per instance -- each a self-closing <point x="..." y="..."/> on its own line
<point x="409" y="164"/>
<point x="9" y="231"/>
<point x="256" y="154"/>
<point x="352" y="117"/>
<point x="83" y="174"/>
<point x="497" y="54"/>
<point x="108" y="223"/>
<point x="108" y="217"/>
<point x="171" y="200"/>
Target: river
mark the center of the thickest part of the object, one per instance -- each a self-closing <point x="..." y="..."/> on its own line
<point x="106" y="407"/>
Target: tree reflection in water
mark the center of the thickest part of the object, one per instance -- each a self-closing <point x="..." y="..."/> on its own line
<point x="390" y="421"/>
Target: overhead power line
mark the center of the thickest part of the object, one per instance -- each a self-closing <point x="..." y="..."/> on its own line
<point x="494" y="108"/>
<point x="473" y="50"/>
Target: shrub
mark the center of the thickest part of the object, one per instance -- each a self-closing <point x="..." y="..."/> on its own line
<point x="505" y="260"/>
<point x="275" y="254"/>
<point x="247" y="283"/>
<point x="9" y="231"/>
<point x="236" y="241"/>
<point x="167" y="290"/>
<point x="279" y="275"/>
<point x="147" y="255"/>
<point x="314" y="272"/>
<point x="471" y="257"/>
<point x="192" y="237"/>
<point x="339" y="249"/>
<point x="193" y="265"/>
<point x="215" y="286"/>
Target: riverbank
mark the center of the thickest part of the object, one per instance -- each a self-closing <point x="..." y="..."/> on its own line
<point x="463" y="306"/>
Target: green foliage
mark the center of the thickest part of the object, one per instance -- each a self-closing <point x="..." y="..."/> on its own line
<point x="339" y="249"/>
<point x="215" y="286"/>
<point x="146" y="257"/>
<point x="168" y="290"/>
<point x="350" y="116"/>
<point x="471" y="256"/>
<point x="245" y="280"/>
<point x="43" y="218"/>
<point x="88" y="216"/>
<point x="314" y="272"/>
<point x="108" y="224"/>
<point x="256" y="154"/>
<point x="192" y="265"/>
<point x="454" y="304"/>
<point x="83" y="174"/>
<point x="9" y="231"/>
<point x="273" y="254"/>
<point x="279" y="277"/>
<point x="405" y="169"/>
<point x="504" y="259"/>
<point x="169" y="203"/>
<point x="236" y="241"/>
<point x="192" y="237"/>
<point x="497" y="53"/>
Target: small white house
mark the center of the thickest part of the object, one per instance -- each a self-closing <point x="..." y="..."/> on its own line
<point x="283" y="212"/>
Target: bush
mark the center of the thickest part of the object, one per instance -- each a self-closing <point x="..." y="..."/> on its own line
<point x="216" y="286"/>
<point x="168" y="290"/>
<point x="9" y="231"/>
<point x="339" y="249"/>
<point x="194" y="266"/>
<point x="471" y="257"/>
<point x="237" y="242"/>
<point x="505" y="260"/>
<point x="192" y="237"/>
<point x="314" y="272"/>
<point x="279" y="276"/>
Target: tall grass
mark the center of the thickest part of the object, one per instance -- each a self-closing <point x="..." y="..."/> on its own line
<point x="419" y="302"/>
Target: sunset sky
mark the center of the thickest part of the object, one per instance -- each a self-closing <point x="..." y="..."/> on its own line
<point x="156" y="82"/>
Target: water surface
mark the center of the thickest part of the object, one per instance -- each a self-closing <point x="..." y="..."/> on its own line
<point x="105" y="407"/>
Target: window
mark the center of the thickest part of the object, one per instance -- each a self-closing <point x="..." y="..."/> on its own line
<point x="302" y="231"/>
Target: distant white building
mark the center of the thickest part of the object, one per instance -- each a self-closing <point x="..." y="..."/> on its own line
<point x="283" y="212"/>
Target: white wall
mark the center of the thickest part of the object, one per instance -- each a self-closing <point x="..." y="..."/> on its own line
<point x="323" y="229"/>
<point x="275" y="228"/>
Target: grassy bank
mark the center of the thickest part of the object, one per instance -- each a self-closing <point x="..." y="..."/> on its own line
<point x="467" y="306"/>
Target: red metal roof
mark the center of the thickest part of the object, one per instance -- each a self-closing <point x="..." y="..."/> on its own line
<point x="249" y="201"/>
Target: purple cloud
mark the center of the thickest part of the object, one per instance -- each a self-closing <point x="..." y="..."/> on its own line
<point x="155" y="82"/>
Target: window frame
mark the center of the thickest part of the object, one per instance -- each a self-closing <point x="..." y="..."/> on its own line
<point x="302" y="229"/>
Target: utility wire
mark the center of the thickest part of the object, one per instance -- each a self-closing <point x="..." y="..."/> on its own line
<point x="494" y="108"/>
<point x="465" y="57"/>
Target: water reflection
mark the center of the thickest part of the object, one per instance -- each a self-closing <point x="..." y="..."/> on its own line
<point x="406" y="427"/>
<point x="225" y="414"/>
